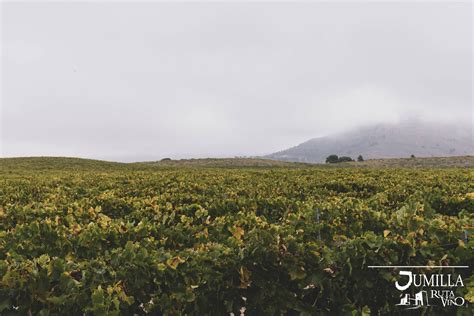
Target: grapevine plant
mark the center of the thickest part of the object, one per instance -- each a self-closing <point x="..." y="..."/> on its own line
<point x="204" y="241"/>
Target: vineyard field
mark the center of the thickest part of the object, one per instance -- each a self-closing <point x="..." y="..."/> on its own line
<point x="286" y="239"/>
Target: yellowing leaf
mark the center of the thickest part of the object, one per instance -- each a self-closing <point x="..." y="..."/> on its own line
<point x="161" y="266"/>
<point x="470" y="195"/>
<point x="386" y="233"/>
<point x="174" y="262"/>
<point x="470" y="295"/>
<point x="110" y="289"/>
<point x="238" y="232"/>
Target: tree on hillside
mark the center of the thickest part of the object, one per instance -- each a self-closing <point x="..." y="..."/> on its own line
<point x="345" y="159"/>
<point x="332" y="159"/>
<point x="360" y="158"/>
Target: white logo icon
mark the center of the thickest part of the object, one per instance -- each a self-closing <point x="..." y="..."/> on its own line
<point x="418" y="300"/>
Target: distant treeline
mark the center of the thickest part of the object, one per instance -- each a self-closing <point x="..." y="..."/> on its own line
<point x="337" y="159"/>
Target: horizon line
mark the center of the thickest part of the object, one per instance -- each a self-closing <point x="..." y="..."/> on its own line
<point x="442" y="267"/>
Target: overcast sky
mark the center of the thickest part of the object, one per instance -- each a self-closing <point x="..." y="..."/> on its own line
<point x="143" y="81"/>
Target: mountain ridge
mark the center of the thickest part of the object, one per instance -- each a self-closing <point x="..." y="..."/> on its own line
<point x="381" y="141"/>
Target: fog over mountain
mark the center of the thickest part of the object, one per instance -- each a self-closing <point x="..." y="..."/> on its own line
<point x="398" y="140"/>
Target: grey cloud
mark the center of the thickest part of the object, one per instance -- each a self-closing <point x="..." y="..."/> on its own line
<point x="128" y="81"/>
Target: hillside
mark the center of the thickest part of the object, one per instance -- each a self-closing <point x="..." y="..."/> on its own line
<point x="63" y="164"/>
<point x="427" y="162"/>
<point x="80" y="164"/>
<point x="223" y="163"/>
<point x="386" y="141"/>
<point x="57" y="163"/>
